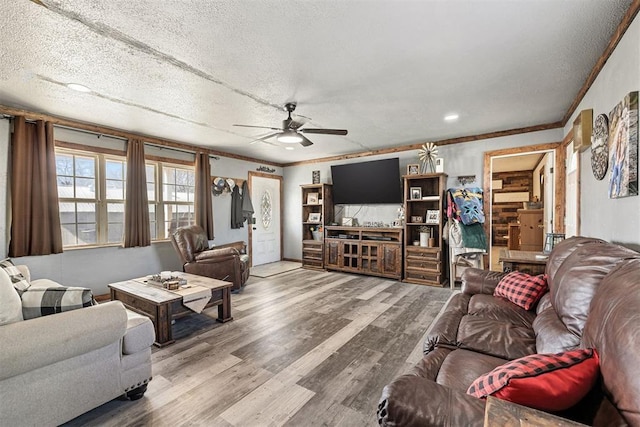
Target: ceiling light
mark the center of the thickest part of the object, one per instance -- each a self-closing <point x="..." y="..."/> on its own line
<point x="451" y="117"/>
<point x="288" y="148"/>
<point x="289" y="137"/>
<point x="78" y="87"/>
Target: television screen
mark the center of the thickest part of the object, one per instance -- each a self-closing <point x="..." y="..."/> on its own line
<point x="367" y="182"/>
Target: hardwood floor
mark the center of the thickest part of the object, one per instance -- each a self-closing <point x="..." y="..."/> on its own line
<point x="306" y="348"/>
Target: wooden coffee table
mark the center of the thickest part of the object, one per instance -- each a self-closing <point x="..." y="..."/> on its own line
<point x="163" y="306"/>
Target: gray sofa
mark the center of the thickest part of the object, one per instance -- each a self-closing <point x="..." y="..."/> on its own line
<point x="57" y="367"/>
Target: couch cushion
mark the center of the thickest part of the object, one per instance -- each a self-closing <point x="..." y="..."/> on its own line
<point x="10" y="303"/>
<point x="578" y="278"/>
<point x="613" y="329"/>
<point x="139" y="335"/>
<point x="496" y="337"/>
<point x="500" y="309"/>
<point x="38" y="302"/>
<point x="19" y="281"/>
<point x="552" y="336"/>
<point x="451" y="373"/>
<point x="521" y="289"/>
<point x="549" y="382"/>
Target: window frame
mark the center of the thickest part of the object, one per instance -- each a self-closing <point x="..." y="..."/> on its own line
<point x="100" y="157"/>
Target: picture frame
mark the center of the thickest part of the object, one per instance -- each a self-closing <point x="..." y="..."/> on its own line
<point x="315" y="177"/>
<point x="415" y="193"/>
<point x="439" y="165"/>
<point x="416" y="218"/>
<point x="312" y="198"/>
<point x="315" y="217"/>
<point x="413" y="169"/>
<point x="432" y="216"/>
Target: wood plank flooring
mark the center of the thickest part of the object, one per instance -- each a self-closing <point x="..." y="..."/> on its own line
<point x="306" y="348"/>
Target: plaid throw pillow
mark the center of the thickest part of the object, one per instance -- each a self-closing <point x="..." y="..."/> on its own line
<point x="522" y="289"/>
<point x="18" y="280"/>
<point x="549" y="382"/>
<point x="37" y="302"/>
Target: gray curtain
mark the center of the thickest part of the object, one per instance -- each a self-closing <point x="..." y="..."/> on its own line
<point x="35" y="218"/>
<point x="137" y="231"/>
<point x="203" y="203"/>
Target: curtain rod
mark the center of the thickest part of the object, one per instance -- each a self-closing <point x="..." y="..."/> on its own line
<point x="98" y="134"/>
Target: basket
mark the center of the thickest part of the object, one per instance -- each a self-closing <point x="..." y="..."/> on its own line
<point x="317" y="235"/>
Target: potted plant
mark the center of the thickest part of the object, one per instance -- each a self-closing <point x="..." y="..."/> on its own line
<point x="425" y="234"/>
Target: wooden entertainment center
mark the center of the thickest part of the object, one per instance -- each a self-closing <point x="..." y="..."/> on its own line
<point x="364" y="250"/>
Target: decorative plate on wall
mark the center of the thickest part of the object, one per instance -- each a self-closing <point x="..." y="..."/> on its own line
<point x="600" y="146"/>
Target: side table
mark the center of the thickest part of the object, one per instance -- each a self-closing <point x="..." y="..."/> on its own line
<point x="506" y="414"/>
<point x="529" y="262"/>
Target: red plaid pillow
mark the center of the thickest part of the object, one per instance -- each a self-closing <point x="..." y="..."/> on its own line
<point x="522" y="289"/>
<point x="549" y="382"/>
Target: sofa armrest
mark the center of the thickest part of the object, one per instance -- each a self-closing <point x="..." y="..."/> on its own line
<point x="32" y="344"/>
<point x="414" y="401"/>
<point x="476" y="281"/>
<point x="25" y="271"/>
<point x="216" y="254"/>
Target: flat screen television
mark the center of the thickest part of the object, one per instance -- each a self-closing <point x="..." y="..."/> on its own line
<point x="374" y="182"/>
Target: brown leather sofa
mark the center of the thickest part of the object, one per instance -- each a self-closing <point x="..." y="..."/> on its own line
<point x="593" y="302"/>
<point x="225" y="262"/>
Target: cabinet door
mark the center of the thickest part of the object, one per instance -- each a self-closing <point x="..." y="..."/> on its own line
<point x="370" y="258"/>
<point x="391" y="259"/>
<point x="332" y="251"/>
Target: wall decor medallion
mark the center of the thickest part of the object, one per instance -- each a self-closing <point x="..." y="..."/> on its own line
<point x="623" y="148"/>
<point x="600" y="146"/>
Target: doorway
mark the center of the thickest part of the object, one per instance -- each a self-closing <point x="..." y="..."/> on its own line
<point x="265" y="234"/>
<point x="521" y="184"/>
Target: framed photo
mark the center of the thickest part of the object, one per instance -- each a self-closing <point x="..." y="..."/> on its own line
<point x="413" y="169"/>
<point x="432" y="217"/>
<point x="439" y="165"/>
<point x="312" y="198"/>
<point x="417" y="218"/>
<point x="315" y="177"/>
<point x="314" y="217"/>
<point x="415" y="193"/>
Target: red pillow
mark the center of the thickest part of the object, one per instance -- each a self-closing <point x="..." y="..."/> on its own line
<point x="522" y="289"/>
<point x="549" y="382"/>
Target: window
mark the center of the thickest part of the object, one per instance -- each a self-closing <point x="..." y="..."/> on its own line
<point x="178" y="192"/>
<point x="88" y="219"/>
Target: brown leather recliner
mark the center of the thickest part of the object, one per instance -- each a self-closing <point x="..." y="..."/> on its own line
<point x="225" y="262"/>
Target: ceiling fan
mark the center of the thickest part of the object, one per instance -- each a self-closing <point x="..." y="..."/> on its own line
<point x="292" y="131"/>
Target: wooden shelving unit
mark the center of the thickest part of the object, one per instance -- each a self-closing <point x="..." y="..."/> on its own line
<point x="422" y="264"/>
<point x="364" y="250"/>
<point x="317" y="200"/>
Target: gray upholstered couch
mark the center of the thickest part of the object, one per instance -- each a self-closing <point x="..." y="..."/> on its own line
<point x="57" y="367"/>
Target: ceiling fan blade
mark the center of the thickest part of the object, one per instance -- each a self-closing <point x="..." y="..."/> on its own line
<point x="305" y="142"/>
<point x="325" y="131"/>
<point x="259" y="127"/>
<point x="264" y="138"/>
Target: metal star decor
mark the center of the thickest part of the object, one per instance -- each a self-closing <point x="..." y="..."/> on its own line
<point x="427" y="155"/>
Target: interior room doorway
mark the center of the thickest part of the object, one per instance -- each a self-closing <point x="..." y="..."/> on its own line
<point x="265" y="235"/>
<point x="521" y="198"/>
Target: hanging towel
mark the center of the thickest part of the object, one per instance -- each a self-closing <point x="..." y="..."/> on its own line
<point x="247" y="206"/>
<point x="473" y="236"/>
<point x="236" y="209"/>
<point x="466" y="206"/>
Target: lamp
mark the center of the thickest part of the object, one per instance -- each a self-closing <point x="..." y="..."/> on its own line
<point x="289" y="136"/>
<point x="551" y="240"/>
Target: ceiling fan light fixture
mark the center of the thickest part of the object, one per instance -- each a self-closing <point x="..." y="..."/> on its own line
<point x="289" y="137"/>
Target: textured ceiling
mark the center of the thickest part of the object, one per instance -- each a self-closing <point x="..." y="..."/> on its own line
<point x="388" y="71"/>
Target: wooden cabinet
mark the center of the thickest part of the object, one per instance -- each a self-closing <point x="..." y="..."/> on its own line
<point x="424" y="200"/>
<point x="531" y="229"/>
<point x="317" y="211"/>
<point x="364" y="250"/>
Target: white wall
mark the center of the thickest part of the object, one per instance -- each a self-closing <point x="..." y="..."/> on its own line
<point x="97" y="267"/>
<point x="459" y="159"/>
<point x="614" y="220"/>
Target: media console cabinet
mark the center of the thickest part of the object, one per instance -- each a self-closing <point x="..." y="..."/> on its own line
<point x="364" y="250"/>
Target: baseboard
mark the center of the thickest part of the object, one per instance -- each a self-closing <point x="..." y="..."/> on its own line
<point x="292" y="259"/>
